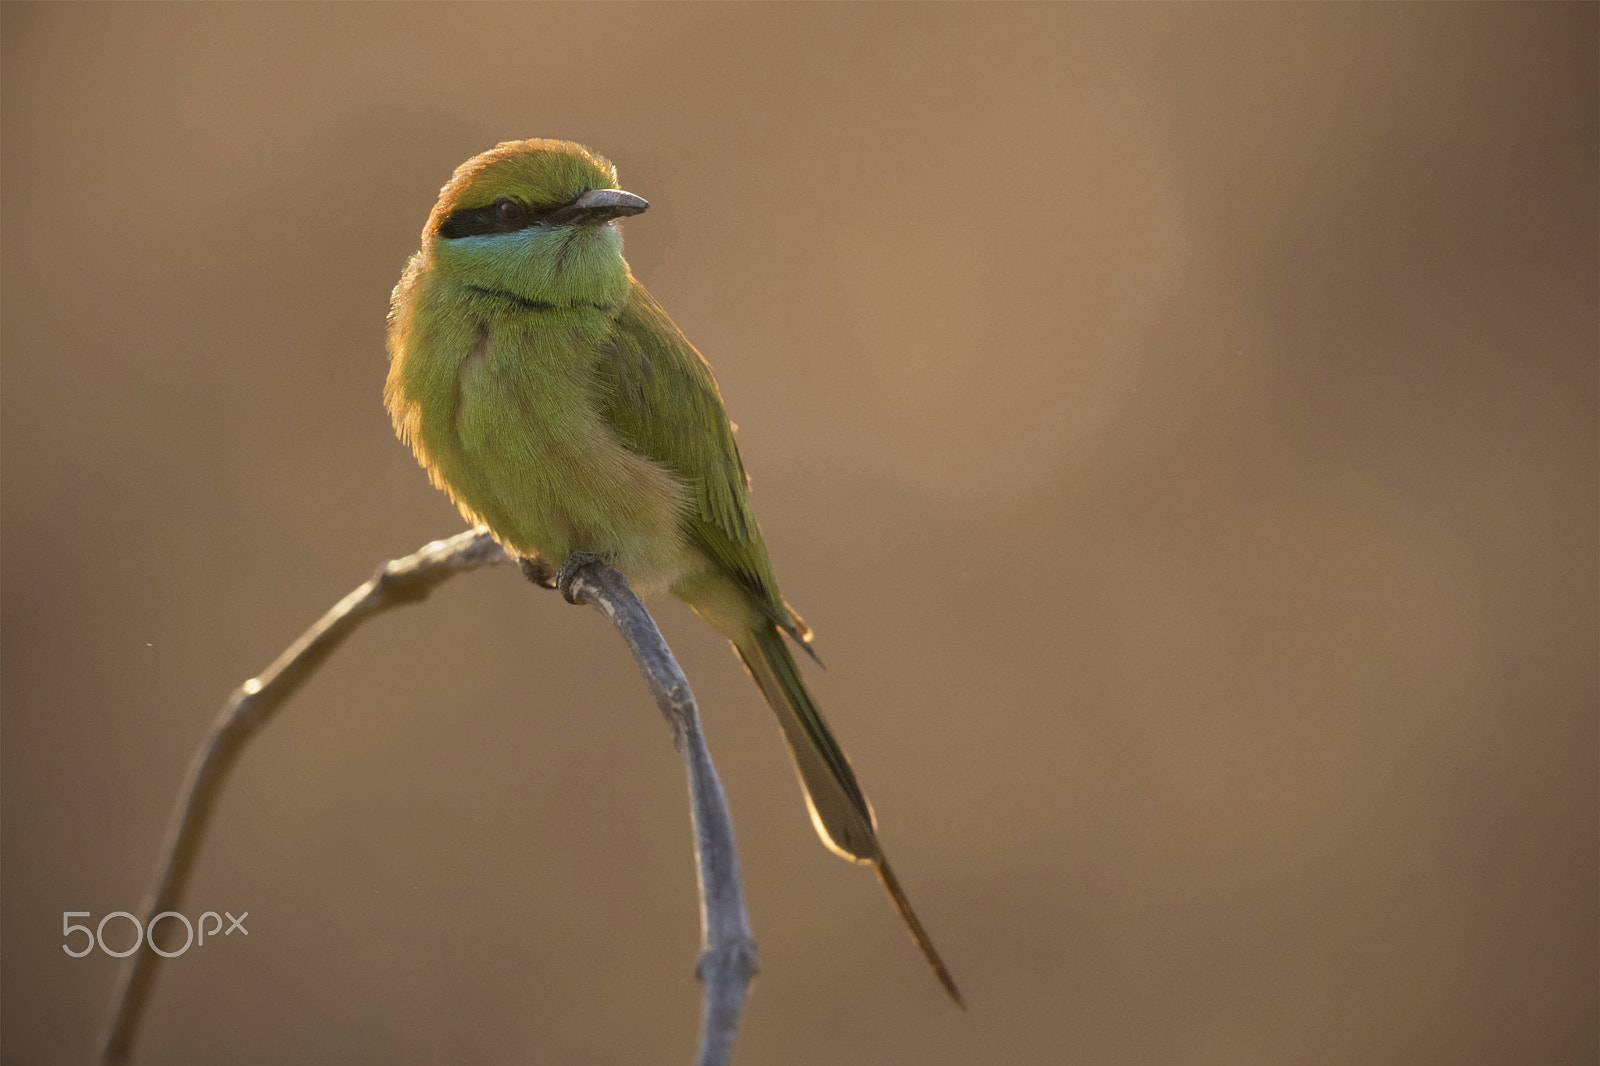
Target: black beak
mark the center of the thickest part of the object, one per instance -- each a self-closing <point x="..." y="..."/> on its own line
<point x="597" y="206"/>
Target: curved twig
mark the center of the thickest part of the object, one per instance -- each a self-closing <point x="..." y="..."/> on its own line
<point x="727" y="948"/>
<point x="252" y="705"/>
<point x="728" y="959"/>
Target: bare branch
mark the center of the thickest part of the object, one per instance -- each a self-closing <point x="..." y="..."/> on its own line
<point x="727" y="948"/>
<point x="252" y="705"/>
<point x="727" y="961"/>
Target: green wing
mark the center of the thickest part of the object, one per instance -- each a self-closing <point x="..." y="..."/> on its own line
<point x="658" y="394"/>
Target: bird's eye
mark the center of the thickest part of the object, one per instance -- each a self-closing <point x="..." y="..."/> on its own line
<point x="509" y="210"/>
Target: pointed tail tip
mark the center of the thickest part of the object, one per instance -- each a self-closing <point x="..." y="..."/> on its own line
<point x="951" y="990"/>
<point x="943" y="975"/>
<point x="919" y="935"/>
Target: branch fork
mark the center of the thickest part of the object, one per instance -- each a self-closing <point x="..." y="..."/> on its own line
<point x="728" y="950"/>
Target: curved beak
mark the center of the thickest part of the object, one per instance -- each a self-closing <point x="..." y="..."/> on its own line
<point x="597" y="206"/>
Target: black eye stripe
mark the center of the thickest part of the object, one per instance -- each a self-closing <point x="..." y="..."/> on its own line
<point x="480" y="221"/>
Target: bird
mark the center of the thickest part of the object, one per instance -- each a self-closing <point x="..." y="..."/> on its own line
<point x="545" y="390"/>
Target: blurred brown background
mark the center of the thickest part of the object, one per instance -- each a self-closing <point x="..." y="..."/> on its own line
<point x="1179" y="424"/>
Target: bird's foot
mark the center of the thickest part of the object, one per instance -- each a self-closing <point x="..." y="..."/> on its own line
<point x="538" y="571"/>
<point x="569" y="571"/>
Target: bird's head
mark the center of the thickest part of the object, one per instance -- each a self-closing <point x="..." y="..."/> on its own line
<point x="534" y="218"/>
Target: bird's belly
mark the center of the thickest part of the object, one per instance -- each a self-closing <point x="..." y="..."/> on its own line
<point x="536" y="463"/>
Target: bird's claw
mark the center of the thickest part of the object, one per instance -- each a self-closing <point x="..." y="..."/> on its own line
<point x="569" y="572"/>
<point x="538" y="571"/>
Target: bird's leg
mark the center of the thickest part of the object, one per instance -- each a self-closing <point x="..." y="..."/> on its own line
<point x="538" y="571"/>
<point x="569" y="570"/>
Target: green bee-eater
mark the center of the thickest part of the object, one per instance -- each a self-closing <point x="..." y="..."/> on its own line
<point x="549" y="394"/>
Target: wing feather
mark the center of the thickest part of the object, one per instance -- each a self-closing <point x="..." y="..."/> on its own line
<point x="659" y="396"/>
